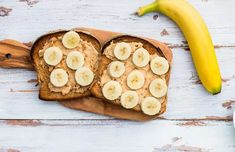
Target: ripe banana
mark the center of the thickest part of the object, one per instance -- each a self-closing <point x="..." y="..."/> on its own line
<point x="112" y="90"/>
<point x="129" y="99"/>
<point x="116" y="69"/>
<point x="75" y="60"/>
<point x="140" y="57"/>
<point x="158" y="88"/>
<point x="197" y="35"/>
<point x="150" y="106"/>
<point x="159" y="65"/>
<point x="122" y="51"/>
<point x="52" y="56"/>
<point x="135" y="80"/>
<point x="58" y="77"/>
<point x="84" y="76"/>
<point x="71" y="39"/>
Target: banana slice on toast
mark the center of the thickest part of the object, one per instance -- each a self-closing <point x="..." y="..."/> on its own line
<point x="71" y="40"/>
<point x="122" y="51"/>
<point x="53" y="55"/>
<point x="58" y="77"/>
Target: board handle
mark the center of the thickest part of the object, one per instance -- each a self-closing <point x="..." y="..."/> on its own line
<point x="14" y="54"/>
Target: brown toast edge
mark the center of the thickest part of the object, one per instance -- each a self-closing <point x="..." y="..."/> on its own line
<point x="44" y="91"/>
<point x="96" y="89"/>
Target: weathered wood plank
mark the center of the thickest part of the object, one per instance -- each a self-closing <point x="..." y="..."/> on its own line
<point x="27" y="22"/>
<point x="195" y="121"/>
<point x="187" y="98"/>
<point x="116" y="135"/>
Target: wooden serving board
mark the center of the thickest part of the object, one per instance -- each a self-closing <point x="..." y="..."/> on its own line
<point x="14" y="54"/>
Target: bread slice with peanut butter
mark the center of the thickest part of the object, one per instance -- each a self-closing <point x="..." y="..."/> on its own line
<point x="66" y="63"/>
<point x="134" y="74"/>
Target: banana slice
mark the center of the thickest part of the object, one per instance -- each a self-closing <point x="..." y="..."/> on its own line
<point x="122" y="51"/>
<point x="75" y="60"/>
<point x="112" y="90"/>
<point x="158" y="88"/>
<point x="151" y="106"/>
<point x="58" y="77"/>
<point x="135" y="80"/>
<point x="116" y="69"/>
<point x="129" y="99"/>
<point x="84" y="76"/>
<point x="71" y="39"/>
<point x="140" y="57"/>
<point x="159" y="65"/>
<point x="52" y="55"/>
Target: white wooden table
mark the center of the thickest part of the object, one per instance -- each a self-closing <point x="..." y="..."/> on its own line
<point x="195" y="121"/>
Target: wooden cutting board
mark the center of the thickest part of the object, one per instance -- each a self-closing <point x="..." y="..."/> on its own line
<point x="14" y="54"/>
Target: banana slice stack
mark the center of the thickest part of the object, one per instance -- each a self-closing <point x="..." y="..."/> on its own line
<point x="130" y="96"/>
<point x="75" y="60"/>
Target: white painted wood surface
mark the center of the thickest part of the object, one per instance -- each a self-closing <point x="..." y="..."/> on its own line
<point x="116" y="136"/>
<point x="202" y="122"/>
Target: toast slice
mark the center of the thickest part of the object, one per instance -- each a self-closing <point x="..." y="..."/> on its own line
<point x="105" y="60"/>
<point x="90" y="47"/>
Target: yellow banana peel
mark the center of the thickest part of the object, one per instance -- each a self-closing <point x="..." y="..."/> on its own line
<point x="197" y="35"/>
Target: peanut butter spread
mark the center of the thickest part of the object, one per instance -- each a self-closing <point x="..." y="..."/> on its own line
<point x="129" y="67"/>
<point x="91" y="61"/>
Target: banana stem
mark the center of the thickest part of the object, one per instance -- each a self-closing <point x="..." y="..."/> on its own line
<point x="147" y="8"/>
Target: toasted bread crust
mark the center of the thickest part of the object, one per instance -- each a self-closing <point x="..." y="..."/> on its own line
<point x="44" y="92"/>
<point x="96" y="89"/>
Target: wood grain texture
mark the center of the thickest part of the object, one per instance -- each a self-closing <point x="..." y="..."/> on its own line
<point x="184" y="83"/>
<point x="114" y="16"/>
<point x="195" y="120"/>
<point x="116" y="136"/>
<point x="14" y="54"/>
<point x="19" y="52"/>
